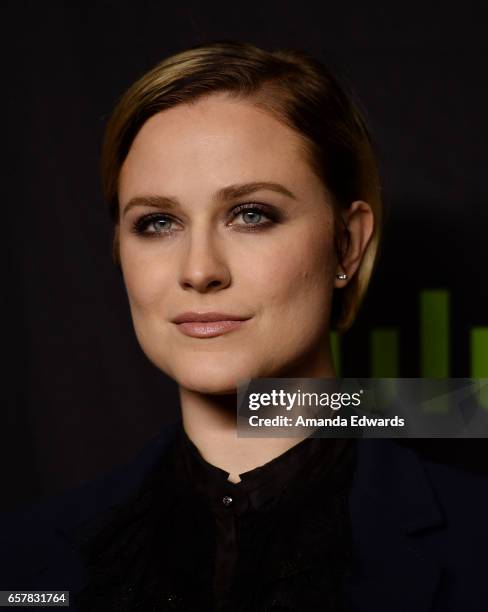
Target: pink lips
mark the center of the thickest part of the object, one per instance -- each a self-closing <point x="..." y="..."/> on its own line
<point x="208" y="324"/>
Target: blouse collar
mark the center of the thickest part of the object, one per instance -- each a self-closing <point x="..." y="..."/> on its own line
<point x="262" y="486"/>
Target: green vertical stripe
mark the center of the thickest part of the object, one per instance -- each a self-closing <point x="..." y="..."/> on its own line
<point x="434" y="334"/>
<point x="335" y="344"/>
<point x="384" y="353"/>
<point x="479" y="361"/>
<point x="479" y="352"/>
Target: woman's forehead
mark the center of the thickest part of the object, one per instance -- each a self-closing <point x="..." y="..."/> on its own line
<point x="215" y="141"/>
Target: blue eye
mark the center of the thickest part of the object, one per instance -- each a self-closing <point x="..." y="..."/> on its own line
<point x="160" y="224"/>
<point x="157" y="224"/>
<point x="250" y="216"/>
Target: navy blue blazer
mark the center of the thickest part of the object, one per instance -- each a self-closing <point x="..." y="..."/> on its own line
<point x="419" y="516"/>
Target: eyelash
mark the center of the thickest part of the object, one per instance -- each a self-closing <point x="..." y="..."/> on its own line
<point x="141" y="224"/>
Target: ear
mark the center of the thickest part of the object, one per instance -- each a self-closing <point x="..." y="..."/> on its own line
<point x="357" y="233"/>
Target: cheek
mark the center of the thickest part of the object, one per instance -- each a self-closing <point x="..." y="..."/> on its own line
<point x="146" y="278"/>
<point x="297" y="277"/>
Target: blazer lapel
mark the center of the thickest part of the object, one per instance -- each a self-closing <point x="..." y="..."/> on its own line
<point x="50" y="556"/>
<point x="392" y="508"/>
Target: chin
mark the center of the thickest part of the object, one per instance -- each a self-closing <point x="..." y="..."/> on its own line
<point x="212" y="376"/>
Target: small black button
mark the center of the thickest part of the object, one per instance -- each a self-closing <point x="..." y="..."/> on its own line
<point x="174" y="601"/>
<point x="226" y="500"/>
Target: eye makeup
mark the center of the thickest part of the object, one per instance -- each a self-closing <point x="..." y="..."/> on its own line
<point x="272" y="215"/>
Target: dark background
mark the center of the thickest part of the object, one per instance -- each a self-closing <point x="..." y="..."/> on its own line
<point x="79" y="395"/>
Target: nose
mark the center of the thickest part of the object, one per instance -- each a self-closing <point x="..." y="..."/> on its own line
<point x="204" y="268"/>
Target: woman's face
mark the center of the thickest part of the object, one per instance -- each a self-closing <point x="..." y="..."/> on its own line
<point x="187" y="245"/>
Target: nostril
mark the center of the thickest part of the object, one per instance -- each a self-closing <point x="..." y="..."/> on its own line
<point x="214" y="283"/>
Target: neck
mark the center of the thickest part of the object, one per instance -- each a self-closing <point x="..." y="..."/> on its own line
<point x="210" y="421"/>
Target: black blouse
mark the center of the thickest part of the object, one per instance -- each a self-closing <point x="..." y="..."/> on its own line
<point x="191" y="540"/>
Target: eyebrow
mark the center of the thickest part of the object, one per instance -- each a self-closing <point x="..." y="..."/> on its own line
<point x="226" y="193"/>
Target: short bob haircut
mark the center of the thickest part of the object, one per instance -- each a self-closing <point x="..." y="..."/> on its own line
<point x="297" y="89"/>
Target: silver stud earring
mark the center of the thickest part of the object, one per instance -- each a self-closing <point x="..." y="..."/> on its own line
<point x="341" y="276"/>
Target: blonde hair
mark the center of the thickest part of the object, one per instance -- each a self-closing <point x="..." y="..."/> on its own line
<point x="302" y="93"/>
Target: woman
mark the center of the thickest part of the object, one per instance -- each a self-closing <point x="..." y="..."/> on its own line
<point x="246" y="204"/>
